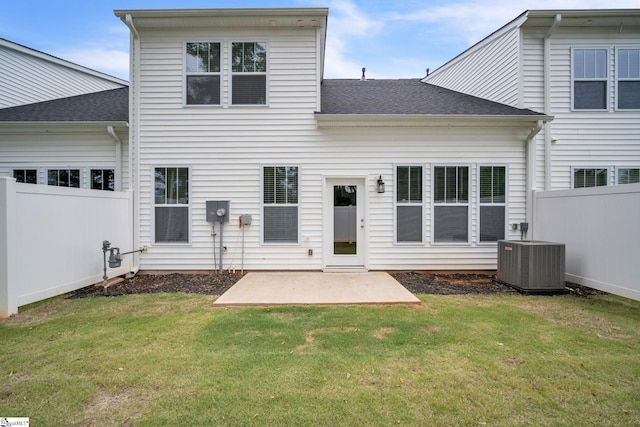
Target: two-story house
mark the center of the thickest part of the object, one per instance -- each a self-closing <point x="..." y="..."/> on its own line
<point x="230" y="106"/>
<point x="580" y="66"/>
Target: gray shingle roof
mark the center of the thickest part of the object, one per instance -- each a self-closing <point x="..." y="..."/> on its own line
<point x="406" y="96"/>
<point x="106" y="106"/>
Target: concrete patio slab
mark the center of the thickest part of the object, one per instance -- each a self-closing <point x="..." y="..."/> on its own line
<point x="316" y="288"/>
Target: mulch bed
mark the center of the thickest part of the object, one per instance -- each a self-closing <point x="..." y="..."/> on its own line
<point x="218" y="283"/>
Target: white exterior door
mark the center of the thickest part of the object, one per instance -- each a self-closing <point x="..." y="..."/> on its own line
<point x="344" y="224"/>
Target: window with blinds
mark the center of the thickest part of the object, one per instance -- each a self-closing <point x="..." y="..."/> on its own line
<point x="628" y="175"/>
<point x="492" y="198"/>
<point x="280" y="204"/>
<point x="590" y="177"/>
<point x="171" y="204"/>
<point x="590" y="78"/>
<point x="409" y="204"/>
<point x="248" y="73"/>
<point x="628" y="79"/>
<point x="451" y="204"/>
<point x="203" y="73"/>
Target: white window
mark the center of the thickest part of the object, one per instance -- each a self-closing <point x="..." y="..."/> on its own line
<point x="409" y="204"/>
<point x="102" y="179"/>
<point x="628" y="79"/>
<point x="280" y="204"/>
<point x="64" y="177"/>
<point x="590" y="177"/>
<point x="628" y="175"/>
<point x="492" y="198"/>
<point x="590" y="78"/>
<point x="202" y="76"/>
<point x="171" y="204"/>
<point x="451" y="204"/>
<point x="248" y="73"/>
<point x="28" y="176"/>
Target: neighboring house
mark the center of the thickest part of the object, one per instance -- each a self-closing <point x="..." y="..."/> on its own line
<point x="580" y="66"/>
<point x="60" y="123"/>
<point x="79" y="141"/>
<point x="28" y="76"/>
<point x="230" y="105"/>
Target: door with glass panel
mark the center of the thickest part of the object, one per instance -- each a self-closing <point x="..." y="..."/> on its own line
<point x="344" y="223"/>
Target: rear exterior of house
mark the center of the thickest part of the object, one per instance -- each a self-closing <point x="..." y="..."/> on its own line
<point x="229" y="106"/>
<point x="580" y="66"/>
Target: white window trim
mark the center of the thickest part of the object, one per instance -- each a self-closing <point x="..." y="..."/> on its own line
<point x="423" y="204"/>
<point x="231" y="73"/>
<point x="153" y="206"/>
<point x="263" y="204"/>
<point x="607" y="78"/>
<point x="618" y="172"/>
<point x="23" y="168"/>
<point x="468" y="204"/>
<point x="102" y="168"/>
<point x="82" y="174"/>
<point x="505" y="204"/>
<point x="573" y="171"/>
<point x="616" y="79"/>
<point x="185" y="73"/>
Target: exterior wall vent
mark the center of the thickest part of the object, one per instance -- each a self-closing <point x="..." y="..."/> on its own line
<point x="532" y="267"/>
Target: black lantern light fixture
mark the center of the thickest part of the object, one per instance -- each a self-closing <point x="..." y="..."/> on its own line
<point x="380" y="186"/>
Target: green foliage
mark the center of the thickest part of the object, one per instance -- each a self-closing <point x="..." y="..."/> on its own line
<point x="176" y="360"/>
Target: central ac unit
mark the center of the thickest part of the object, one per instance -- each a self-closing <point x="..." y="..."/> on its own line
<point x="532" y="267"/>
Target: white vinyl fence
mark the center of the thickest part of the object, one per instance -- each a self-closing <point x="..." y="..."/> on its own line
<point x="51" y="239"/>
<point x="600" y="228"/>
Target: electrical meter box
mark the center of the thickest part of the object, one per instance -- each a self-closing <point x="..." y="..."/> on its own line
<point x="215" y="208"/>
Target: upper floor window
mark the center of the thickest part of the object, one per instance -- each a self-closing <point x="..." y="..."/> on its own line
<point x="628" y="79"/>
<point x="409" y="204"/>
<point x="628" y="175"/>
<point x="451" y="204"/>
<point x="103" y="179"/>
<point x="64" y="177"/>
<point x="248" y="73"/>
<point x="589" y="72"/>
<point x="28" y="176"/>
<point x="590" y="177"/>
<point x="203" y="77"/>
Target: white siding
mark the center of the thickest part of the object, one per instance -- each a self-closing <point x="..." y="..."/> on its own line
<point x="488" y="70"/>
<point x="225" y="148"/>
<point x="41" y="146"/>
<point x="584" y="138"/>
<point x="26" y="78"/>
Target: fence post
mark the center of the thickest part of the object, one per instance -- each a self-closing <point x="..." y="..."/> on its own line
<point x="8" y="240"/>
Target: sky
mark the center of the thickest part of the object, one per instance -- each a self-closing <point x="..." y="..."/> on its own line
<point x="391" y="39"/>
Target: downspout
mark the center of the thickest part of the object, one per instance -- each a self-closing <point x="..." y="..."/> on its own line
<point x="118" y="168"/>
<point x="531" y="174"/>
<point x="134" y="134"/>
<point x="547" y="100"/>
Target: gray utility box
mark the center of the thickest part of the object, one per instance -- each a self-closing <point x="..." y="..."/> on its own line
<point x="212" y="207"/>
<point x="532" y="267"/>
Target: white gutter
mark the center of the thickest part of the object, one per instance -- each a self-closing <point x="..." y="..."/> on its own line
<point x="547" y="100"/>
<point x="134" y="134"/>
<point x="118" y="168"/>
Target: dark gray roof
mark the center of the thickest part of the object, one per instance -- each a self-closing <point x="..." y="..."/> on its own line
<point x="106" y="106"/>
<point x="406" y="96"/>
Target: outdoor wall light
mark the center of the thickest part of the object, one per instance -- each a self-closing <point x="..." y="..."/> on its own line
<point x="380" y="185"/>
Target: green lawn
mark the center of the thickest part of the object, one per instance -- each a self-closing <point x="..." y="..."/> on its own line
<point x="456" y="360"/>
